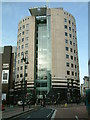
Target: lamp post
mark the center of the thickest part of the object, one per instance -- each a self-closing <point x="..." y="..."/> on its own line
<point x="24" y="90"/>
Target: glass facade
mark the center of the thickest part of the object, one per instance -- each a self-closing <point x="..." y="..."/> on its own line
<point x="43" y="56"/>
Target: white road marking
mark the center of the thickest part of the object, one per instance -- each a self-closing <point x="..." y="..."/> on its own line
<point x="76" y="117"/>
<point x="53" y="116"/>
<point x="49" y="114"/>
<point x="29" y="116"/>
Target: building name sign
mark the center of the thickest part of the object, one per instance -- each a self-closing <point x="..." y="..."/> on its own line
<point x="5" y="66"/>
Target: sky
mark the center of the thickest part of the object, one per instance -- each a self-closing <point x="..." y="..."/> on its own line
<point x="13" y="12"/>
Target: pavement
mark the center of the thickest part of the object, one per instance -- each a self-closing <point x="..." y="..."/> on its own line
<point x="13" y="111"/>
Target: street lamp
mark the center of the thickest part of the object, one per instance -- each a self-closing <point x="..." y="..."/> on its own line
<point x="24" y="90"/>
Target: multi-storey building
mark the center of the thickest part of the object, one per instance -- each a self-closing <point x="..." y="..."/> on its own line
<point x="7" y="63"/>
<point x="48" y="39"/>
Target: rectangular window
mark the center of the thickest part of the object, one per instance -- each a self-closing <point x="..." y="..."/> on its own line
<point x="20" y="28"/>
<point x="75" y="74"/>
<point x="18" y="54"/>
<point x="23" y="33"/>
<point x="67" y="56"/>
<point x="26" y="52"/>
<point x="18" y="68"/>
<point x="66" y="34"/>
<point x="27" y="31"/>
<point x="71" y="65"/>
<point x="17" y="76"/>
<point x="23" y="26"/>
<point x="71" y="57"/>
<point x="27" y="25"/>
<point x="22" y="39"/>
<point x="73" y="44"/>
<point x="66" y="48"/>
<point x="27" y="38"/>
<point x="70" y="42"/>
<point x="70" y="28"/>
<point x="26" y="45"/>
<point x="65" y="26"/>
<point x="70" y="35"/>
<point x="73" y="30"/>
<point x="21" y="75"/>
<point x="66" y="41"/>
<point x="65" y="20"/>
<point x="75" y="66"/>
<point x="74" y="58"/>
<point x="67" y="64"/>
<point x="69" y="22"/>
<point x="74" y="51"/>
<point x="22" y="53"/>
<point x="70" y="49"/>
<point x="18" y="61"/>
<point x="22" y="46"/>
<point x="21" y="67"/>
<point x="68" y="72"/>
<point x="72" y="73"/>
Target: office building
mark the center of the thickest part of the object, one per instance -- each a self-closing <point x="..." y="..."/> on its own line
<point x="48" y="39"/>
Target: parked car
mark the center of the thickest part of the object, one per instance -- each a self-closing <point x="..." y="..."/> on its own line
<point x="21" y="103"/>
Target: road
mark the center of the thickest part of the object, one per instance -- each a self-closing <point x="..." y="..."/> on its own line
<point x="40" y="113"/>
<point x="77" y="112"/>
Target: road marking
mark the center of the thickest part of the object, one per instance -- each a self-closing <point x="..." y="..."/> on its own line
<point x="29" y="116"/>
<point x="49" y="114"/>
<point x="53" y="116"/>
<point x="76" y="117"/>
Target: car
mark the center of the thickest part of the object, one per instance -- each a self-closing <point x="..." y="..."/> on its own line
<point x="21" y="103"/>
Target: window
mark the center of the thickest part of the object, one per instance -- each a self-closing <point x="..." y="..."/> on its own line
<point x="19" y="41"/>
<point x="74" y="58"/>
<point x="75" y="74"/>
<point x="18" y="54"/>
<point x="75" y="66"/>
<point x="27" y="38"/>
<point x="21" y="67"/>
<point x="65" y="26"/>
<point x="18" y="68"/>
<point x="65" y="20"/>
<point x="66" y="34"/>
<point x="20" y="28"/>
<point x="21" y="75"/>
<point x="69" y="22"/>
<point x="73" y="30"/>
<point x="74" y="51"/>
<point x="73" y="44"/>
<point x="72" y="73"/>
<point x="23" y="33"/>
<point x="19" y="34"/>
<point x="73" y="37"/>
<point x="25" y="67"/>
<point x="21" y="61"/>
<point x="26" y="45"/>
<point x="26" y="52"/>
<point x="18" y="61"/>
<point x="67" y="64"/>
<point x="23" y="26"/>
<point x="66" y="48"/>
<point x="22" y="53"/>
<point x="22" y="39"/>
<point x="27" y="31"/>
<point x="70" y="35"/>
<point x="26" y="74"/>
<point x="71" y="65"/>
<point x="70" y="42"/>
<point x="19" y="47"/>
<point x="70" y="28"/>
<point x="67" y="56"/>
<point x="27" y="25"/>
<point x="22" y="46"/>
<point x="68" y="72"/>
<point x="71" y="57"/>
<point x="70" y="49"/>
<point x="17" y="76"/>
<point x="66" y="41"/>
<point x="23" y="20"/>
<point x="72" y="23"/>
